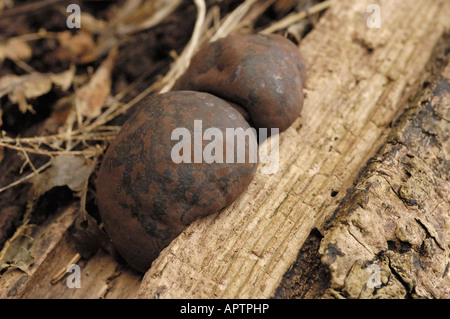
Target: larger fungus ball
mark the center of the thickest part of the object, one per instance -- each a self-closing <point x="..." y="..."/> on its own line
<point x="262" y="74"/>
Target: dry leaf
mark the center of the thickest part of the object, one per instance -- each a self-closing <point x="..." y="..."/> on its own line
<point x="92" y="96"/>
<point x="92" y="24"/>
<point x="81" y="47"/>
<point x="15" y="50"/>
<point x="21" y="88"/>
<point x="15" y="252"/>
<point x="65" y="170"/>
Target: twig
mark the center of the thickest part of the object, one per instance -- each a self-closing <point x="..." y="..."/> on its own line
<point x="166" y="83"/>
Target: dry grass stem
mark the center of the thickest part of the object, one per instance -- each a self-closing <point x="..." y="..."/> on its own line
<point x="27" y="159"/>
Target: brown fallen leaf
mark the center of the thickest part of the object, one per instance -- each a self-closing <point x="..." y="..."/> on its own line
<point x="15" y="49"/>
<point x="15" y="252"/>
<point x="91" y="97"/>
<point x="21" y="88"/>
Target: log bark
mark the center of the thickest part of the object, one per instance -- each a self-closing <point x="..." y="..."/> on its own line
<point x="391" y="238"/>
<point x="359" y="81"/>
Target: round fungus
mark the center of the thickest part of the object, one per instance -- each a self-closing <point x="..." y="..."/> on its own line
<point x="149" y="188"/>
<point x="262" y="74"/>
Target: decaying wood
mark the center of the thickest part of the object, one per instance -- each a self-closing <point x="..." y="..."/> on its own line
<point x="359" y="81"/>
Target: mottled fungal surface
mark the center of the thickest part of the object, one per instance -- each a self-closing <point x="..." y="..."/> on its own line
<point x="145" y="198"/>
<point x="263" y="74"/>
